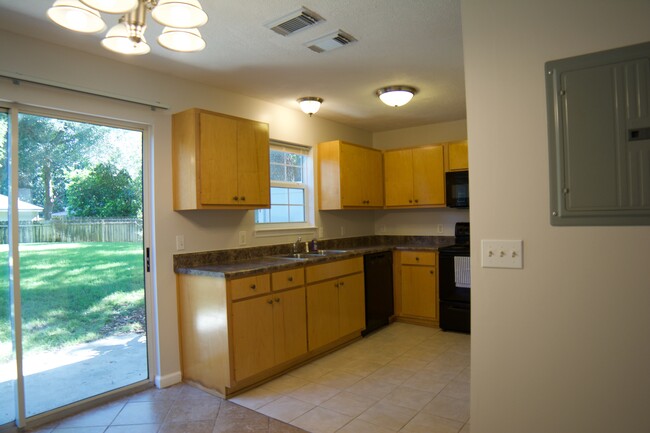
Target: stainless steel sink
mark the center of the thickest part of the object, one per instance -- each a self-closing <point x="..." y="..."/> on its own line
<point x="326" y="252"/>
<point x="312" y="254"/>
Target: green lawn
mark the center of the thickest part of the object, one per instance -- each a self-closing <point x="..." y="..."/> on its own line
<point x="73" y="293"/>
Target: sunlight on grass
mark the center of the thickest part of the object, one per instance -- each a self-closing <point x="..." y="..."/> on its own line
<point x="74" y="293"/>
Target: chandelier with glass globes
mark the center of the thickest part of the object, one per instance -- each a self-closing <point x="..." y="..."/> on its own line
<point x="181" y="19"/>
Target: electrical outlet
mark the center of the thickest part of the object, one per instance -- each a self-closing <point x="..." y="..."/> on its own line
<point x="180" y="242"/>
<point x="382" y="229"/>
<point x="320" y="232"/>
<point x="242" y="237"/>
<point x="502" y="254"/>
<point x="342" y="230"/>
<point x="441" y="228"/>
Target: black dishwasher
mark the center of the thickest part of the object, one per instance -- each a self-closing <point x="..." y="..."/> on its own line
<point x="378" y="272"/>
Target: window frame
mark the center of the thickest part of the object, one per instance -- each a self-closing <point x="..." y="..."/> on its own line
<point x="307" y="185"/>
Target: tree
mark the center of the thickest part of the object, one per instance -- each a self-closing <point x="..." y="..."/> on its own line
<point x="105" y="192"/>
<point x="48" y="149"/>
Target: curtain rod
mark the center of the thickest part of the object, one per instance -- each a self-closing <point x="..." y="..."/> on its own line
<point x="17" y="78"/>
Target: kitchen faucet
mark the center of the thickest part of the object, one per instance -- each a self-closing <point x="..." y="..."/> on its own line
<point x="297" y="245"/>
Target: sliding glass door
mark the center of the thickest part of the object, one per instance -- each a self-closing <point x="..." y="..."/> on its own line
<point x="7" y="353"/>
<point x="80" y="256"/>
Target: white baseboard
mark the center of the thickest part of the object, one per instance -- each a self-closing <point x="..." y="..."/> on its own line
<point x="168" y="379"/>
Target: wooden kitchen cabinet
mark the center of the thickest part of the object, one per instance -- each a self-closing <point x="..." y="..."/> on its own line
<point x="234" y="335"/>
<point x="414" y="177"/>
<point x="416" y="286"/>
<point x="267" y="331"/>
<point x="456" y="155"/>
<point x="349" y="176"/>
<point x="335" y="302"/>
<point x="219" y="161"/>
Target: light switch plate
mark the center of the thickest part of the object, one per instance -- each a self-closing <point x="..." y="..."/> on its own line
<point x="502" y="254"/>
<point x="242" y="237"/>
<point x="180" y="242"/>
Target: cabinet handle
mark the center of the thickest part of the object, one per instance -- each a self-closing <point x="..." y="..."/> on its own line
<point x="243" y="198"/>
<point x="342" y="283"/>
<point x="417" y="201"/>
<point x="235" y="198"/>
<point x="410" y="201"/>
<point x="417" y="259"/>
<point x="431" y="272"/>
<point x="336" y="285"/>
<point x="290" y="279"/>
<point x="270" y="301"/>
<point x="277" y="300"/>
<point x="253" y="286"/>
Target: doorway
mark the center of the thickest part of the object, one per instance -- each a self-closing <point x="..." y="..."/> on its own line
<point x="72" y="261"/>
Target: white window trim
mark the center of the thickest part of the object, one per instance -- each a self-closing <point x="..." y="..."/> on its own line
<point x="308" y="227"/>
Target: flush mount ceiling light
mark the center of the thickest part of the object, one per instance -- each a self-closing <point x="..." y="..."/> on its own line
<point x="396" y="96"/>
<point x="310" y="104"/>
<point x="181" y="17"/>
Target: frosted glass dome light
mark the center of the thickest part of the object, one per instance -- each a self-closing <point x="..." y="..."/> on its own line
<point x="396" y="96"/>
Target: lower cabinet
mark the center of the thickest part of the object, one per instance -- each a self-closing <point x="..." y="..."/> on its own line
<point x="267" y="331"/>
<point x="335" y="301"/>
<point x="416" y="286"/>
<point x="238" y="332"/>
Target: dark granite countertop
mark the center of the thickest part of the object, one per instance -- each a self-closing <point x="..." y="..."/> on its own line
<point x="253" y="261"/>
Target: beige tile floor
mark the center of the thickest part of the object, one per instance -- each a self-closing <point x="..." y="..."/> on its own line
<point x="403" y="378"/>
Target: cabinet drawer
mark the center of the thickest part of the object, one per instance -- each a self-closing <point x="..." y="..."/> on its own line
<point x="249" y="286"/>
<point x="286" y="279"/>
<point x="427" y="258"/>
<point x="334" y="269"/>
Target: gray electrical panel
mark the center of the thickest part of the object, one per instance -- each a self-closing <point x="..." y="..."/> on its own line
<point x="598" y="108"/>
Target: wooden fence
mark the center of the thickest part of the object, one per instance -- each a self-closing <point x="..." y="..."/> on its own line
<point x="76" y="230"/>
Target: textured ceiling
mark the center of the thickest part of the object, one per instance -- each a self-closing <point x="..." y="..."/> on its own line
<point x="412" y="42"/>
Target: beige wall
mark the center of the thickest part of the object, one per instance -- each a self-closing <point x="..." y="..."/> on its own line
<point x="561" y="346"/>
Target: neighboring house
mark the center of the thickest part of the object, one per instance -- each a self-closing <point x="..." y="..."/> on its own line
<point x="26" y="211"/>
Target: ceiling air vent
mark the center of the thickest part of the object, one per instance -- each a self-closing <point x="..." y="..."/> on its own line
<point x="331" y="41"/>
<point x="295" y="21"/>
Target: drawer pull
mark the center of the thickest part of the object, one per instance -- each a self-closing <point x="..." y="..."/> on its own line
<point x="290" y="279"/>
<point x="270" y="301"/>
<point x="417" y="259"/>
<point x="277" y="300"/>
<point x="253" y="287"/>
<point x="342" y="283"/>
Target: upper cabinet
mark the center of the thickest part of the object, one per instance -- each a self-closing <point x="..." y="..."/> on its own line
<point x="350" y="176"/>
<point x="219" y="161"/>
<point x="415" y="177"/>
<point x="456" y="156"/>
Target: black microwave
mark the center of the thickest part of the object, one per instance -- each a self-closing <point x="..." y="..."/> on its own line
<point x="457" y="184"/>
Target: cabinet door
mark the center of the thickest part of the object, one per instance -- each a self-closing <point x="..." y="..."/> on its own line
<point x="419" y="291"/>
<point x="458" y="155"/>
<point x="252" y="329"/>
<point x="398" y="177"/>
<point x="289" y="324"/>
<point x="218" y="159"/>
<point x="253" y="163"/>
<point x="353" y="176"/>
<point x="322" y="313"/>
<point x="351" y="304"/>
<point x="374" y="182"/>
<point x="428" y="176"/>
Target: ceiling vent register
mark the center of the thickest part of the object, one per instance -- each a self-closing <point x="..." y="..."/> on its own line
<point x="295" y="21"/>
<point x="331" y="41"/>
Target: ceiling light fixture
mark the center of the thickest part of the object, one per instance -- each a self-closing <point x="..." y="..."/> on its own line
<point x="181" y="17"/>
<point x="396" y="96"/>
<point x="310" y="104"/>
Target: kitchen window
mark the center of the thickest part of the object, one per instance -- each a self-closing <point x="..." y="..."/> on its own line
<point x="291" y="180"/>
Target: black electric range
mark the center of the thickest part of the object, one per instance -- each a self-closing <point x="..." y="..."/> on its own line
<point x="454" y="282"/>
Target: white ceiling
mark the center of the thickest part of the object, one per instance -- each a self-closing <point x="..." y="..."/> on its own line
<point x="411" y="42"/>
